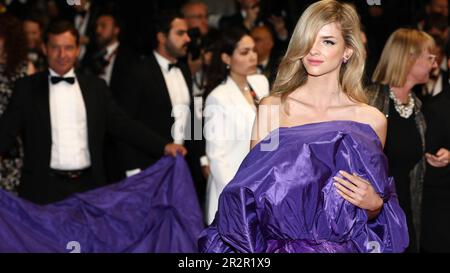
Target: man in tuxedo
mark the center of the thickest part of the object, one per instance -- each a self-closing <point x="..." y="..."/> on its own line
<point x="161" y="86"/>
<point x="250" y="15"/>
<point x="111" y="59"/>
<point x="268" y="58"/>
<point x="84" y="19"/>
<point x="198" y="59"/>
<point x="63" y="118"/>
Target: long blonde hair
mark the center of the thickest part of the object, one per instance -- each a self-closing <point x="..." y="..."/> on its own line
<point x="292" y="74"/>
<point x="400" y="53"/>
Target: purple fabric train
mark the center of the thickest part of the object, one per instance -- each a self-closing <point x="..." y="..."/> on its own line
<point x="154" y="211"/>
<point x="284" y="200"/>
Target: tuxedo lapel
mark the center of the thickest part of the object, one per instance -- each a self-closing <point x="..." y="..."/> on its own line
<point x="159" y="83"/>
<point x="43" y="101"/>
<point x="122" y="59"/>
<point x="115" y="73"/>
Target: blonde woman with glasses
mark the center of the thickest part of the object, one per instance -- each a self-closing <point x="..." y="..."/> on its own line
<point x="316" y="177"/>
<point x="406" y="61"/>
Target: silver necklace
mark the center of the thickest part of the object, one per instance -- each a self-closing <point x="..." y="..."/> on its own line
<point x="404" y="110"/>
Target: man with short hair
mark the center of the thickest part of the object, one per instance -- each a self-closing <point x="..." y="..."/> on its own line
<point x="264" y="47"/>
<point x="63" y="118"/>
<point x="160" y="96"/>
<point x="111" y="59"/>
<point x="437" y="6"/>
<point x="196" y="15"/>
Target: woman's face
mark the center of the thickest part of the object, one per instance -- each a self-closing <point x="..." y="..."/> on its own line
<point x="420" y="71"/>
<point x="244" y="59"/>
<point x="327" y="53"/>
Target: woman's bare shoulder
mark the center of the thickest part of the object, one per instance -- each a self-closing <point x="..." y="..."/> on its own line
<point x="372" y="116"/>
<point x="267" y="118"/>
<point x="273" y="99"/>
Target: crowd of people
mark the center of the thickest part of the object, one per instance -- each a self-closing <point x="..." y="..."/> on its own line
<point x="268" y="102"/>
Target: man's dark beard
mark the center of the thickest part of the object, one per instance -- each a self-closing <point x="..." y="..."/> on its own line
<point x="175" y="52"/>
<point x="103" y="43"/>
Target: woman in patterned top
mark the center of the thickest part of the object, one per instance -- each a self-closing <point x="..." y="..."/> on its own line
<point x="13" y="65"/>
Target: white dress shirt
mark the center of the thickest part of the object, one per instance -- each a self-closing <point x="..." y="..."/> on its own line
<point x="70" y="150"/>
<point x="111" y="52"/>
<point x="179" y="97"/>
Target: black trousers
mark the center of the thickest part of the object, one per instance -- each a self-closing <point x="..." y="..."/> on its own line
<point x="62" y="186"/>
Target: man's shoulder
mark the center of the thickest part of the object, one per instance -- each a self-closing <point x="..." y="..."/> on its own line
<point x="438" y="104"/>
<point x="31" y="82"/>
<point x="33" y="78"/>
<point x="147" y="60"/>
<point x="90" y="79"/>
<point x="143" y="66"/>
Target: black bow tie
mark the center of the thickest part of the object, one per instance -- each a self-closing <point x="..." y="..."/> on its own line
<point x="174" y="65"/>
<point x="55" y="80"/>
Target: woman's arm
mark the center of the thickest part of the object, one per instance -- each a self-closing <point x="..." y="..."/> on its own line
<point x="355" y="189"/>
<point x="377" y="121"/>
<point x="267" y="119"/>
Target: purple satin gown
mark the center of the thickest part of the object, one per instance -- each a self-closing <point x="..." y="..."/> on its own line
<point x="284" y="201"/>
<point x="154" y="211"/>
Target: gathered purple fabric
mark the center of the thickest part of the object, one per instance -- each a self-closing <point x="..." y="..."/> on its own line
<point x="284" y="201"/>
<point x="155" y="211"/>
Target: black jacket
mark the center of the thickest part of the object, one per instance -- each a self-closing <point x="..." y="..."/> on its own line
<point x="145" y="98"/>
<point x="29" y="115"/>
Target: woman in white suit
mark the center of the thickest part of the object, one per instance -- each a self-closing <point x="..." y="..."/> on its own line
<point x="230" y="110"/>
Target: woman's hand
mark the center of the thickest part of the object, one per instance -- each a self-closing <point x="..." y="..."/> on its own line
<point x="359" y="192"/>
<point x="440" y="160"/>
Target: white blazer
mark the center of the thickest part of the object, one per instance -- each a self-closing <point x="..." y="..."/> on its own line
<point x="228" y="127"/>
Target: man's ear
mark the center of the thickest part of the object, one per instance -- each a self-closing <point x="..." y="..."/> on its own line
<point x="161" y="38"/>
<point x="117" y="31"/>
<point x="78" y="51"/>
